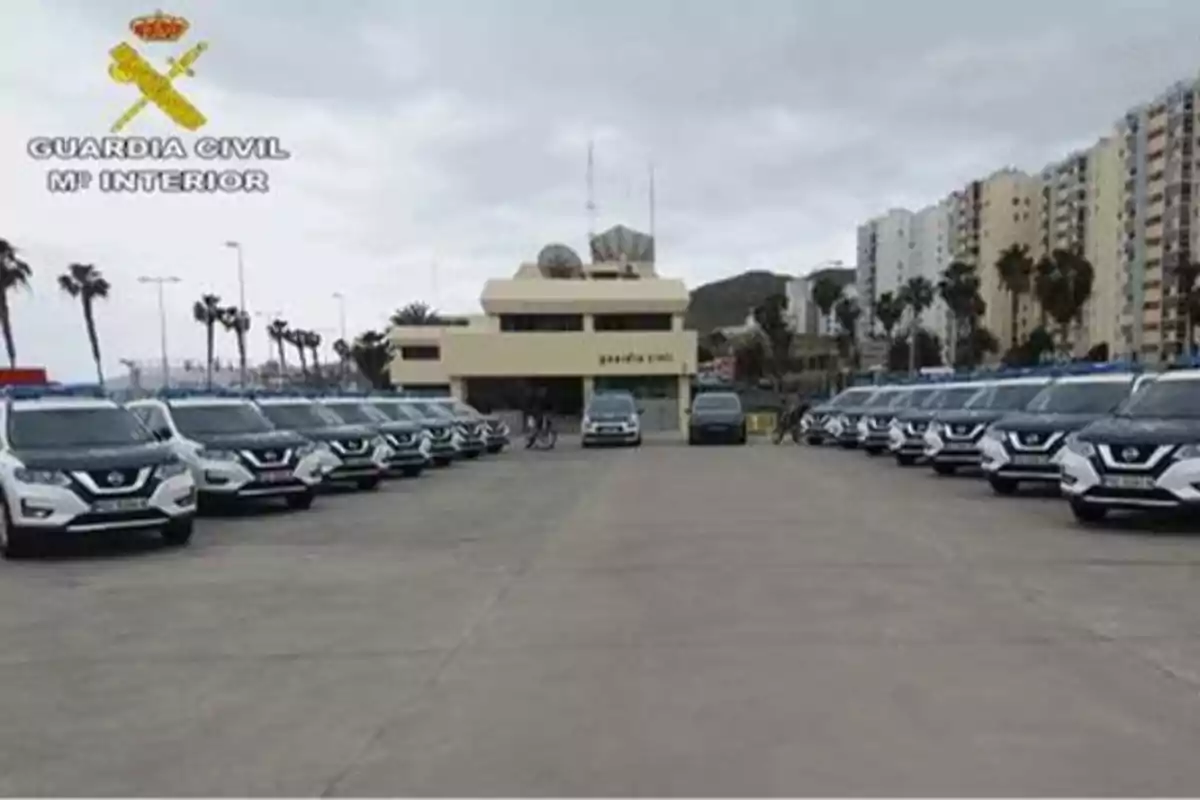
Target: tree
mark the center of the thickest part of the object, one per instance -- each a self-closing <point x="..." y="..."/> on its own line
<point x="980" y="343"/>
<point x="750" y="358"/>
<point x="1098" y="352"/>
<point x="826" y="293"/>
<point x="1032" y="351"/>
<point x="929" y="352"/>
<point x="1063" y="284"/>
<point x="958" y="287"/>
<point x="415" y="314"/>
<point x="341" y="349"/>
<point x="1015" y="268"/>
<point x="236" y="321"/>
<point x="772" y="321"/>
<point x="372" y="354"/>
<point x="1186" y="275"/>
<point x="278" y="331"/>
<point x="85" y="283"/>
<point x="916" y="295"/>
<point x="847" y="313"/>
<point x="14" y="274"/>
<point x="312" y="340"/>
<point x="207" y="311"/>
<point x="296" y="338"/>
<point x="889" y="311"/>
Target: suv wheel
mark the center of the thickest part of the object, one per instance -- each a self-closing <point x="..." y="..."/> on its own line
<point x="177" y="533"/>
<point x="368" y="484"/>
<point x="302" y="501"/>
<point x="905" y="461"/>
<point x="412" y="472"/>
<point x="1088" y="513"/>
<point x="1004" y="486"/>
<point x="15" y="543"/>
<point x="944" y="469"/>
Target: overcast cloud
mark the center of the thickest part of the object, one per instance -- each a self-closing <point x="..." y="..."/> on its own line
<point x="456" y="133"/>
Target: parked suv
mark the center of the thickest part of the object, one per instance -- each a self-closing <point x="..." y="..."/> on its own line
<point x="1145" y="457"/>
<point x="233" y="451"/>
<point x="439" y="430"/>
<point x="717" y="416"/>
<point x="83" y="464"/>
<point x="408" y="444"/>
<point x="611" y="418"/>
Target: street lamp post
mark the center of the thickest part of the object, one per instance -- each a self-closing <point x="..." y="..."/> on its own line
<point x="241" y="276"/>
<point x="159" y="282"/>
<point x="341" y="298"/>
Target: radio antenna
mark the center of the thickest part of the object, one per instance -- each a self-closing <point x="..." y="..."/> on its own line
<point x="590" y="205"/>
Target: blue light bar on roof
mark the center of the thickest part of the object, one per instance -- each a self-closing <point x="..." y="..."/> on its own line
<point x="183" y="393"/>
<point x="37" y="392"/>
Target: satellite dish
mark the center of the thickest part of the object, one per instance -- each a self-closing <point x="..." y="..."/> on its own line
<point x="620" y="243"/>
<point x="559" y="257"/>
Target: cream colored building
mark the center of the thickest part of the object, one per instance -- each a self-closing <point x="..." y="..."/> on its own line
<point x="568" y="329"/>
<point x="1007" y="217"/>
<point x="1102" y="246"/>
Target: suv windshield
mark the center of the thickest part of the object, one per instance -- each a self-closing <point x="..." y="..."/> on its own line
<point x="299" y="416"/>
<point x="459" y="407"/>
<point x="204" y="420"/>
<point x="850" y="397"/>
<point x="713" y="401"/>
<point x="356" y="413"/>
<point x="951" y="399"/>
<point x="1005" y="397"/>
<point x="881" y="399"/>
<point x="1166" y="398"/>
<point x="914" y="399"/>
<point x="1080" y="397"/>
<point x="434" y="411"/>
<point x="75" y="427"/>
<point x="610" y="405"/>
<point x="397" y="411"/>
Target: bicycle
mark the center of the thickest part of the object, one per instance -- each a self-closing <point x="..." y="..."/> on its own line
<point x="541" y="436"/>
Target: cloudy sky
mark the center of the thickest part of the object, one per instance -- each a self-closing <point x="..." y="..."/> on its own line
<point x="455" y="133"/>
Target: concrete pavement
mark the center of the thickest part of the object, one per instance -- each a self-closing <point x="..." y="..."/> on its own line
<point x="761" y="620"/>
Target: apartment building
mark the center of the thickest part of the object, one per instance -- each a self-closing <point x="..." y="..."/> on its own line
<point x="1157" y="151"/>
<point x="803" y="313"/>
<point x="929" y="255"/>
<point x="1007" y="216"/>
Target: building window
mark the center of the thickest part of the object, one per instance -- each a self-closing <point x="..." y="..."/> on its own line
<point x="525" y="323"/>
<point x="420" y="352"/>
<point x="632" y="322"/>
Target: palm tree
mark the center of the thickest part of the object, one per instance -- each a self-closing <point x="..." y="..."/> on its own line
<point x="1016" y="270"/>
<point x="295" y="338"/>
<point x="372" y="353"/>
<point x="83" y="282"/>
<point x="771" y="318"/>
<point x="207" y="311"/>
<point x="958" y="287"/>
<point x="826" y="293"/>
<point x="14" y="274"/>
<point x="917" y="296"/>
<point x="415" y="314"/>
<point x="341" y="349"/>
<point x="1186" y="275"/>
<point x="235" y="320"/>
<point x="889" y="311"/>
<point x="278" y="331"/>
<point x="847" y="313"/>
<point x="312" y="340"/>
<point x="1063" y="284"/>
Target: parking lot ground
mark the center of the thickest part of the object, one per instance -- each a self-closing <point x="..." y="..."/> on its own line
<point x="670" y="620"/>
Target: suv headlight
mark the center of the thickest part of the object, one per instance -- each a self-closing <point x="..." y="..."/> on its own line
<point x="308" y="449"/>
<point x="1187" y="452"/>
<point x="933" y="428"/>
<point x="379" y="441"/>
<point x="1082" y="449"/>
<point x="217" y="455"/>
<point x="42" y="477"/>
<point x="992" y="433"/>
<point x="170" y="470"/>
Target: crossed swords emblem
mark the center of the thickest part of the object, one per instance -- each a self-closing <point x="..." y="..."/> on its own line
<point x="128" y="66"/>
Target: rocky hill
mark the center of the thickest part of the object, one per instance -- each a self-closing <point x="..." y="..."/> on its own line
<point x="726" y="302"/>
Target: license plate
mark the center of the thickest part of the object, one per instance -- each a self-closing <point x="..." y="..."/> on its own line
<point x="276" y="476"/>
<point x="953" y="447"/>
<point x="358" y="462"/>
<point x="1128" y="482"/>
<point x="1031" y="460"/>
<point x="717" y="428"/>
<point x="608" y="429"/>
<point x="122" y="504"/>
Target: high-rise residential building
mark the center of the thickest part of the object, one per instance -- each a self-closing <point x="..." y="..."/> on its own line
<point x="929" y="255"/>
<point x="1006" y="217"/>
<point x="884" y="261"/>
<point x="803" y="313"/>
<point x="1157" y="148"/>
<point x="1078" y="208"/>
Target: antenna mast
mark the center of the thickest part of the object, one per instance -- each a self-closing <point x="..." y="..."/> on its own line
<point x="651" y="199"/>
<point x="591" y="192"/>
